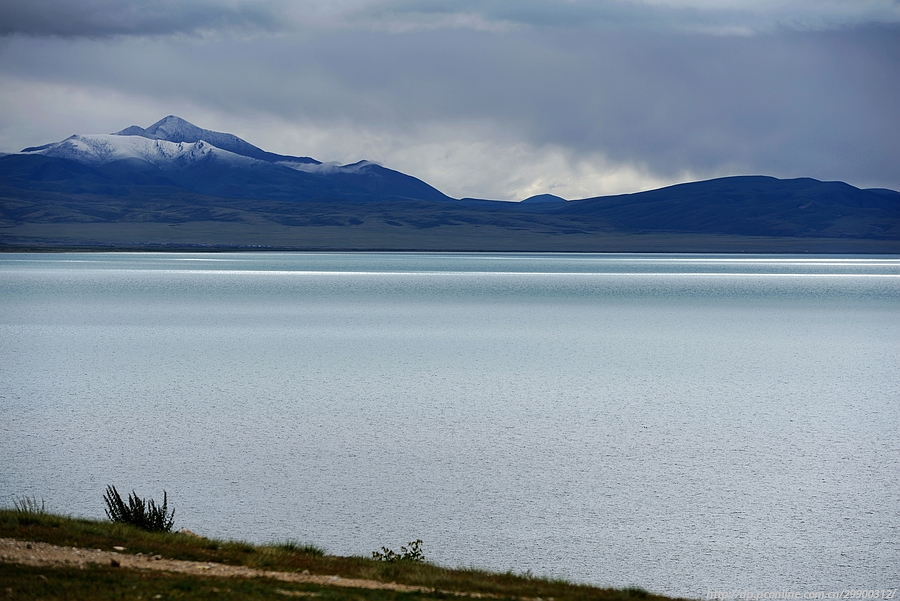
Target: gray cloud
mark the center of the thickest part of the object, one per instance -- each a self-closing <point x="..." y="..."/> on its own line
<point x="734" y="17"/>
<point x="550" y="86"/>
<point x="101" y="18"/>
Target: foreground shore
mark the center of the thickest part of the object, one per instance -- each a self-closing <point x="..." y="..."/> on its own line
<point x="50" y="556"/>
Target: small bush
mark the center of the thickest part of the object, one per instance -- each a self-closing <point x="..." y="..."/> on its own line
<point x="146" y="515"/>
<point x="30" y="506"/>
<point x="291" y="546"/>
<point x="635" y="591"/>
<point x="411" y="553"/>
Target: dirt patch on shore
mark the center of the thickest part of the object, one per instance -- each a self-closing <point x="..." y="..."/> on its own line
<point x="43" y="554"/>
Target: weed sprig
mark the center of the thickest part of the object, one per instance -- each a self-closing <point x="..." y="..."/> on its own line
<point x="412" y="553"/>
<point x="144" y="514"/>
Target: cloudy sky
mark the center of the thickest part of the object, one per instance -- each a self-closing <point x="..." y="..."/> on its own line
<point x="482" y="98"/>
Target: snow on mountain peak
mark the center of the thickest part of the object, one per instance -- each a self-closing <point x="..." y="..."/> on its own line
<point x="132" y="130"/>
<point x="99" y="149"/>
<point x="162" y="129"/>
<point x="176" y="129"/>
<point x="171" y="127"/>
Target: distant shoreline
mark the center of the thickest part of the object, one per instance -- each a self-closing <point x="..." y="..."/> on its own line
<point x="616" y="244"/>
<point x="223" y="250"/>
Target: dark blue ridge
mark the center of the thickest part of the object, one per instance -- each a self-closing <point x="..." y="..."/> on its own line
<point x="51" y="189"/>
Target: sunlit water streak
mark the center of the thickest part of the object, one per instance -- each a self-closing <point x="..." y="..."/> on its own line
<point x="679" y="422"/>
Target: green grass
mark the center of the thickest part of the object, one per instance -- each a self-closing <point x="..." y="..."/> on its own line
<point x="101" y="583"/>
<point x="29" y="505"/>
<point x="293" y="546"/>
<point x="289" y="556"/>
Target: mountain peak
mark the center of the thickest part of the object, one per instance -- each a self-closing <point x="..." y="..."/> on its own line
<point x="132" y="130"/>
<point x="173" y="128"/>
<point x="543" y="198"/>
<point x="173" y="120"/>
<point x="176" y="129"/>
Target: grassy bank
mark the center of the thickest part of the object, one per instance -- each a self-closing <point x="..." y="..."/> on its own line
<point x="104" y="581"/>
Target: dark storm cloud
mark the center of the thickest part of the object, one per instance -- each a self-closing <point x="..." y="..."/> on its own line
<point x="802" y="89"/>
<point x="100" y="18"/>
<point x="728" y="17"/>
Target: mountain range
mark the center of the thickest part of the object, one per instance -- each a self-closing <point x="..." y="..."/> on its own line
<point x="176" y="185"/>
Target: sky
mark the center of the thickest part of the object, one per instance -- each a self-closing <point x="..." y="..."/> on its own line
<point x="499" y="99"/>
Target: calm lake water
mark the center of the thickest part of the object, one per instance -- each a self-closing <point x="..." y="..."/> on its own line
<point x="675" y="422"/>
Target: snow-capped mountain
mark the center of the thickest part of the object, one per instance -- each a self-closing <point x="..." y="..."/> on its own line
<point x="170" y="142"/>
<point x="173" y="152"/>
<point x="176" y="129"/>
<point x="100" y="149"/>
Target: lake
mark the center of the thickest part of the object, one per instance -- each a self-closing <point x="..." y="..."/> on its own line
<point x="675" y="422"/>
